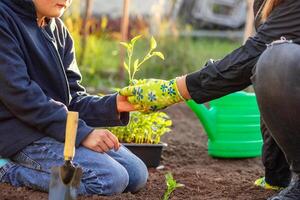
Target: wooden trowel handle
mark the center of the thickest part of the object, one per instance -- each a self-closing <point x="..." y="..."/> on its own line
<point x="71" y="130"/>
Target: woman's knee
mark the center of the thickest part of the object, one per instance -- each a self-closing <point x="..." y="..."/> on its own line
<point x="279" y="58"/>
<point x="278" y="65"/>
<point x="110" y="181"/>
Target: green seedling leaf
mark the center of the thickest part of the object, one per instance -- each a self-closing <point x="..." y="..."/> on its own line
<point x="179" y="185"/>
<point x="126" y="66"/>
<point x="126" y="45"/>
<point x="153" y="43"/>
<point x="167" y="129"/>
<point x="133" y="40"/>
<point x="136" y="65"/>
<point x="171" y="183"/>
<point x="168" y="123"/>
<point x="159" y="54"/>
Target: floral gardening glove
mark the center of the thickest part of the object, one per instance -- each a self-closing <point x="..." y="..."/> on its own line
<point x="150" y="95"/>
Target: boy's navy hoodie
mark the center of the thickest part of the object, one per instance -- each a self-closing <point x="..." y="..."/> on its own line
<point x="40" y="82"/>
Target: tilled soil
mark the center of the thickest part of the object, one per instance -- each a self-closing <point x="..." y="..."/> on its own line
<point x="204" y="177"/>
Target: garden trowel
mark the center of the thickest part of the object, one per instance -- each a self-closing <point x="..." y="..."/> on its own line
<point x="66" y="178"/>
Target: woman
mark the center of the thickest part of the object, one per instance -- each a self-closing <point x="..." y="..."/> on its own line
<point x="40" y="82"/>
<point x="277" y="172"/>
<point x="237" y="71"/>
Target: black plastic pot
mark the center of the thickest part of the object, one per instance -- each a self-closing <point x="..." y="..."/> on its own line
<point x="149" y="153"/>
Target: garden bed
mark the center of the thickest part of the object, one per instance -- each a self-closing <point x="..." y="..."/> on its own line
<point x="205" y="178"/>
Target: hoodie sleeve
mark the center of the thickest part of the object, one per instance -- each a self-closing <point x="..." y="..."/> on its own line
<point x="95" y="110"/>
<point x="233" y="73"/>
<point x="24" y="98"/>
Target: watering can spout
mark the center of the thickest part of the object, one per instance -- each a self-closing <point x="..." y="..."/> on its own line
<point x="205" y="115"/>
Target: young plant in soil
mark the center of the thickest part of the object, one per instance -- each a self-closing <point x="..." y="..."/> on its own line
<point x="142" y="128"/>
<point x="171" y="185"/>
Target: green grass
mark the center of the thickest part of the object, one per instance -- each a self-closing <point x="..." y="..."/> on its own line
<point x="182" y="55"/>
<point x="185" y="55"/>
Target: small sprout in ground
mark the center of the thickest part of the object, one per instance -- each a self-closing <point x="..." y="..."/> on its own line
<point x="171" y="185"/>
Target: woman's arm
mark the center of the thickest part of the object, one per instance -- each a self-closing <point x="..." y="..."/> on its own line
<point x="233" y="72"/>
<point x="216" y="79"/>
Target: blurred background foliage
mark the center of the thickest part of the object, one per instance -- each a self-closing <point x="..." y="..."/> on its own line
<point x="101" y="61"/>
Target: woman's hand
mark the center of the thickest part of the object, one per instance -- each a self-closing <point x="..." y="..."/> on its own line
<point x="101" y="140"/>
<point x="152" y="94"/>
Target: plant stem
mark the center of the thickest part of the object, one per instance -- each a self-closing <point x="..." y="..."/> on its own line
<point x="148" y="55"/>
<point x="129" y="64"/>
<point x="166" y="195"/>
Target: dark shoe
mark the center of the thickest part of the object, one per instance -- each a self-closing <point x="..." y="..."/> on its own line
<point x="290" y="193"/>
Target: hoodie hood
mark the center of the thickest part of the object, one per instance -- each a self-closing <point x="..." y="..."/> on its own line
<point x="22" y="7"/>
<point x="26" y="8"/>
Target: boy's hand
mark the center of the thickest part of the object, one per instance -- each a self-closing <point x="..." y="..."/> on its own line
<point x="152" y="94"/>
<point x="101" y="140"/>
<point x="123" y="105"/>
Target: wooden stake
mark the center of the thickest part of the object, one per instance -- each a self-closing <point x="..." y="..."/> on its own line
<point x="124" y="35"/>
<point x="84" y="28"/>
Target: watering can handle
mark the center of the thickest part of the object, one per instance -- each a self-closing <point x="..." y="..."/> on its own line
<point x="71" y="130"/>
<point x="205" y="116"/>
<point x="200" y="109"/>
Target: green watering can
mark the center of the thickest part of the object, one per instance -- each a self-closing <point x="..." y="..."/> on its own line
<point x="232" y="124"/>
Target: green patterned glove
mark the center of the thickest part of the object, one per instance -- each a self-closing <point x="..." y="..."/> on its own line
<point x="152" y="94"/>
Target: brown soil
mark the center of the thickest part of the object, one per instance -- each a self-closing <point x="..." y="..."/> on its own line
<point x="186" y="157"/>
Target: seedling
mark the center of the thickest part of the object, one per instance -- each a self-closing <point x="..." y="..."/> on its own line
<point x="132" y="68"/>
<point x="142" y="128"/>
<point x="171" y="185"/>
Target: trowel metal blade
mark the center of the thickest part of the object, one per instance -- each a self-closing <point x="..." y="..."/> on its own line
<point x="60" y="191"/>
